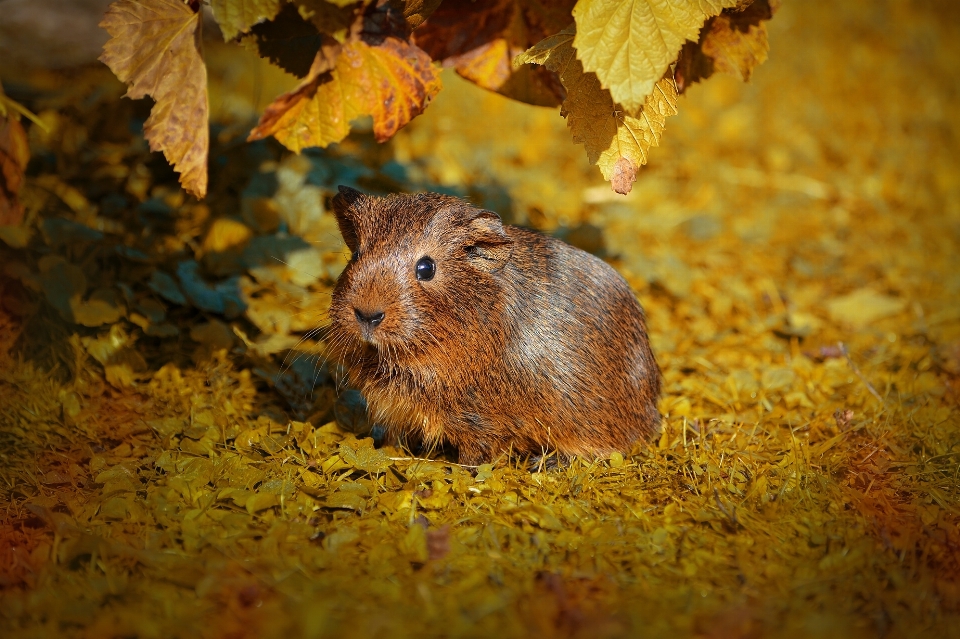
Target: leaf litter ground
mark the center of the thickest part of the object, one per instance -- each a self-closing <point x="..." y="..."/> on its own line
<point x="795" y="245"/>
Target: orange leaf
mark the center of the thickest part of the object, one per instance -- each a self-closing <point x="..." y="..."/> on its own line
<point x="391" y="80"/>
<point x="14" y="155"/>
<point x="155" y="50"/>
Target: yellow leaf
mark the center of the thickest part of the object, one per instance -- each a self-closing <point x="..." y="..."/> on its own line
<point x="226" y="234"/>
<point x="391" y="81"/>
<point x="345" y="500"/>
<point x="155" y="50"/>
<point x="630" y="45"/>
<point x="616" y="139"/>
<point x="414" y="544"/>
<point x="237" y="16"/>
<point x="261" y="501"/>
<point x="863" y="306"/>
<point x="365" y="458"/>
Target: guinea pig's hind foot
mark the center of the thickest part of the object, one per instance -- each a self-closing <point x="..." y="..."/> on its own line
<point x="546" y="462"/>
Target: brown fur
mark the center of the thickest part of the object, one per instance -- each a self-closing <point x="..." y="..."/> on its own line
<point x="519" y="340"/>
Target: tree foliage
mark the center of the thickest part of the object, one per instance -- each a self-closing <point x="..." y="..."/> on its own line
<point x="615" y="67"/>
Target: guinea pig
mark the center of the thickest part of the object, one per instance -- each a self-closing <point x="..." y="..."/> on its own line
<point x="459" y="329"/>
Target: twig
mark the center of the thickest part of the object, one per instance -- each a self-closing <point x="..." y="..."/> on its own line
<point x="855" y="369"/>
<point x="731" y="515"/>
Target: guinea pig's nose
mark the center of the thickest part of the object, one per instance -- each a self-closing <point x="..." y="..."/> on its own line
<point x="371" y="319"/>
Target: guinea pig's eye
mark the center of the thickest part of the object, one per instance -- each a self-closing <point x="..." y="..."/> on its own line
<point x="426" y="269"/>
<point x="354" y="256"/>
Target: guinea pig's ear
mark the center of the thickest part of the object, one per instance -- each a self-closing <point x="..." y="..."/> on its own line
<point x="346" y="205"/>
<point x="488" y="240"/>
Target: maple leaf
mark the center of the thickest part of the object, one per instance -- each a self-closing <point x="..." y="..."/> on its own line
<point x="238" y="16"/>
<point x="629" y="45"/>
<point x="481" y="39"/>
<point x="735" y="42"/>
<point x="14" y="155"/>
<point x="386" y="78"/>
<point x="155" y="49"/>
<point x="616" y="139"/>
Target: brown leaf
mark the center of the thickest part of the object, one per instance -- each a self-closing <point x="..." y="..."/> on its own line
<point x="624" y="175"/>
<point x="414" y="12"/>
<point x="481" y="39"/>
<point x="388" y="79"/>
<point x="734" y="42"/>
<point x="14" y="155"/>
<point x="155" y="49"/>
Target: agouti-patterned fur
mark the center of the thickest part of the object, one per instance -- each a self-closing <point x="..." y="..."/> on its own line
<point x="517" y="342"/>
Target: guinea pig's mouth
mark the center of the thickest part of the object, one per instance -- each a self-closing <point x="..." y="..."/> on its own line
<point x="368" y="336"/>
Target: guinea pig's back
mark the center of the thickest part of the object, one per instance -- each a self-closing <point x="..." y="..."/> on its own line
<point x="580" y="335"/>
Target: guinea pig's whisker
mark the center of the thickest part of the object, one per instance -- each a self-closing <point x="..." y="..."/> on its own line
<point x="294" y="268"/>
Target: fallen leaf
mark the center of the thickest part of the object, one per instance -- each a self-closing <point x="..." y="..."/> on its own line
<point x="155" y="49"/>
<point x="14" y="155"/>
<point x="222" y="297"/>
<point x="863" y="306"/>
<point x="365" y="458"/>
<point x="615" y="140"/>
<point x="392" y="81"/>
<point x="346" y="500"/>
<point x="630" y="45"/>
<point x="166" y="286"/>
<point x="261" y="501"/>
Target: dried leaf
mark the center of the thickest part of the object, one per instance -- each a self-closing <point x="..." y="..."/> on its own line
<point x="735" y="42"/>
<point x="155" y="49"/>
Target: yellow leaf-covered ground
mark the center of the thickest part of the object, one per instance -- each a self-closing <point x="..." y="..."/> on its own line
<point x="794" y="242"/>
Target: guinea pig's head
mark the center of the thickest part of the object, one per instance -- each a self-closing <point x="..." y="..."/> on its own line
<point x="424" y="271"/>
